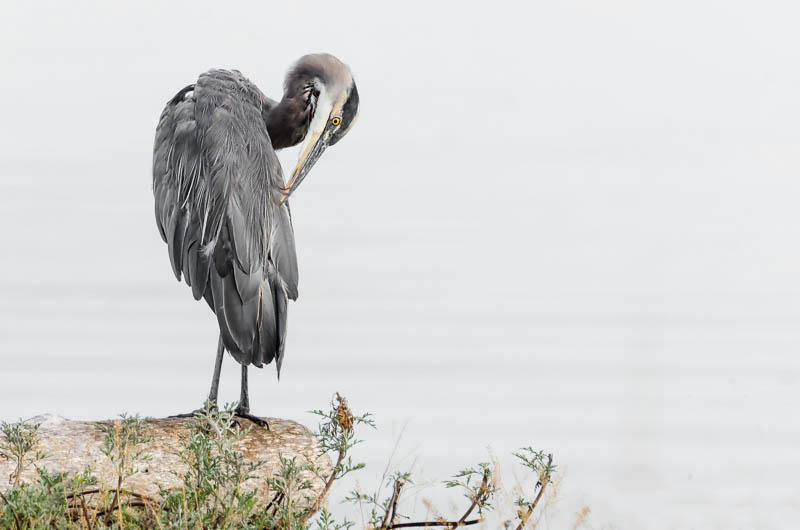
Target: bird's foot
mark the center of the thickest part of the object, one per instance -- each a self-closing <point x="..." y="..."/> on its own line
<point x="247" y="416"/>
<point x="192" y="414"/>
<point x="195" y="413"/>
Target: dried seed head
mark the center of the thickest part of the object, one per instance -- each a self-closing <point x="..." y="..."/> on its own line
<point x="344" y="418"/>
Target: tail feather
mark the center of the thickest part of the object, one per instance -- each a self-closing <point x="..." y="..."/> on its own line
<point x="216" y="299"/>
<point x="240" y="315"/>
<point x="251" y="313"/>
<point x="268" y="327"/>
<point x="200" y="263"/>
<point x="281" y="301"/>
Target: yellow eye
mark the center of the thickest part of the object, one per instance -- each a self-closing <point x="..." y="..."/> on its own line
<point x="336" y="121"/>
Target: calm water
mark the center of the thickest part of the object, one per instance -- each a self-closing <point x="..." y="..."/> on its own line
<point x="570" y="230"/>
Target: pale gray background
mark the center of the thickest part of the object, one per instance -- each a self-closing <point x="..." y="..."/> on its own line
<point x="570" y="226"/>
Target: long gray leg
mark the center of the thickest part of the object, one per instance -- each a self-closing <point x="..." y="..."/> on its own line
<point x="212" y="395"/>
<point x="244" y="396"/>
<point x="243" y="410"/>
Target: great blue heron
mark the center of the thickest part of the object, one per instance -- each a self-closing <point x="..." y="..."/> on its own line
<point x="221" y="203"/>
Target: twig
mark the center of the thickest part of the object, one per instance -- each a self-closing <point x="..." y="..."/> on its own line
<point x="478" y="497"/>
<point x="13" y="511"/>
<point x="82" y="493"/>
<point x="394" y="507"/>
<point x="114" y="501"/>
<point x="89" y="524"/>
<point x="532" y="506"/>
<point x="143" y="502"/>
<point x="430" y="524"/>
<point x="388" y="517"/>
<point x="321" y="497"/>
<point x="122" y="492"/>
<point x="483" y="490"/>
<point x="112" y="509"/>
<point x="274" y="502"/>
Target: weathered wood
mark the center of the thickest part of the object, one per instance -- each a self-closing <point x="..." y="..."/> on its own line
<point x="71" y="446"/>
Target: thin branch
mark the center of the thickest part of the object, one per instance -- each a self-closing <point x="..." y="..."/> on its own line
<point x="388" y="517"/>
<point x="111" y="508"/>
<point x="89" y="524"/>
<point x="134" y="504"/>
<point x="478" y="497"/>
<point x="276" y="499"/>
<point x="13" y="511"/>
<point x="431" y="524"/>
<point x="532" y="506"/>
<point x="122" y="492"/>
<point x="394" y="507"/>
<point x="82" y="493"/>
<point x="324" y="493"/>
<point x="17" y="473"/>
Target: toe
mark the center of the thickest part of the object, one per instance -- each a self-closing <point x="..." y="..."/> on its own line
<point x="255" y="419"/>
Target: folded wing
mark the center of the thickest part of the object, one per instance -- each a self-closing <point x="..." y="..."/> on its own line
<point x="217" y="184"/>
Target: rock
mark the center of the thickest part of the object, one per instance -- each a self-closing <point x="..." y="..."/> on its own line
<point x="71" y="446"/>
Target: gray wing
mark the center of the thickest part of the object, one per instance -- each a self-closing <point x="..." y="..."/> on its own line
<point x="217" y="185"/>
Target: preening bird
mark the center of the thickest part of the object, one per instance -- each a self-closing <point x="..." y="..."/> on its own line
<point x="221" y="202"/>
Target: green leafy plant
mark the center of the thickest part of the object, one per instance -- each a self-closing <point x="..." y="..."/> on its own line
<point x="20" y="445"/>
<point x="122" y="443"/>
<point x="542" y="466"/>
<point x="213" y="494"/>
<point x="47" y="502"/>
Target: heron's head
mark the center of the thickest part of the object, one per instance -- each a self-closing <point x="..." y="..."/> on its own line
<point x="333" y="101"/>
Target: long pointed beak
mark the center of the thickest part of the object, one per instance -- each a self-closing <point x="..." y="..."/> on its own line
<point x="314" y="147"/>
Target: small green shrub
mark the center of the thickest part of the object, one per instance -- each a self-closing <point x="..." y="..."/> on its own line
<point x="20" y="445"/>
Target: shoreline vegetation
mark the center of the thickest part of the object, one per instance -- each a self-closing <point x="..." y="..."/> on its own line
<point x="213" y="493"/>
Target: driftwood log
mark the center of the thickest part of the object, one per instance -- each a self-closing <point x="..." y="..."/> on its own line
<point x="71" y="446"/>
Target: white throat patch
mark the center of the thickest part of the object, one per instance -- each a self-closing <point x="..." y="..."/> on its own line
<point x="321" y="114"/>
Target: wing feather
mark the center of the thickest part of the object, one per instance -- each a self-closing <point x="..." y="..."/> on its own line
<point x="175" y="238"/>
